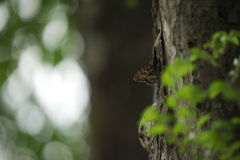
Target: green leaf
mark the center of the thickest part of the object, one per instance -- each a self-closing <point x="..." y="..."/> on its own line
<point x="234" y="33"/>
<point x="229" y="93"/>
<point x="215" y="54"/>
<point x="203" y="120"/>
<point x="218" y="35"/>
<point x="198" y="53"/>
<point x="224" y="39"/>
<point x="167" y="78"/>
<point x="172" y="140"/>
<point x="183" y="67"/>
<point x="218" y="87"/>
<point x="182" y="112"/>
<point x="234" y="40"/>
<point x="173" y="72"/>
<point x="148" y="115"/>
<point x="208" y="45"/>
<point x="191" y="93"/>
<point x="220" y="124"/>
<point x="215" y="88"/>
<point x="158" y="129"/>
<point x="206" y="139"/>
<point x="171" y="101"/>
<point x="165" y="118"/>
<point x="179" y="127"/>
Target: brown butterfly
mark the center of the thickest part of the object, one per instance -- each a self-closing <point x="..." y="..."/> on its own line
<point x="147" y="74"/>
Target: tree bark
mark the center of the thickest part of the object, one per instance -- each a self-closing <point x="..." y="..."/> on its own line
<point x="178" y="26"/>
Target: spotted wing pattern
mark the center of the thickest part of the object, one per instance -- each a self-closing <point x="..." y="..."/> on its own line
<point x="146" y="74"/>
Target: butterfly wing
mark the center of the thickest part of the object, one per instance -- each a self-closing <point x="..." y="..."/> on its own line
<point x="146" y="74"/>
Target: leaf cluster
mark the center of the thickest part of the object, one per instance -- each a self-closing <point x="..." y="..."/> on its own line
<point x="203" y="131"/>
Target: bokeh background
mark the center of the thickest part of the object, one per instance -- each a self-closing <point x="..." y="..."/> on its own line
<point x="66" y="69"/>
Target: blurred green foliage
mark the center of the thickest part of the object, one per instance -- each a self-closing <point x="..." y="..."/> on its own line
<point x="218" y="137"/>
<point x="49" y="28"/>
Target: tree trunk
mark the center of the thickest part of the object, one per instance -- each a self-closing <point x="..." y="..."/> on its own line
<point x="178" y="26"/>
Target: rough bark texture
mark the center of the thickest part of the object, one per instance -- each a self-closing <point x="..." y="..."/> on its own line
<point x="178" y="26"/>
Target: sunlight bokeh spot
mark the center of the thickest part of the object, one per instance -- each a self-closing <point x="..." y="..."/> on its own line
<point x="3" y="135"/>
<point x="63" y="92"/>
<point x="27" y="9"/>
<point x="7" y="132"/>
<point x="4" y="15"/>
<point x="29" y="62"/>
<point x="74" y="46"/>
<point x="45" y="135"/>
<point x="54" y="32"/>
<point x="30" y="119"/>
<point x="19" y="85"/>
<point x="5" y="153"/>
<point x="57" y="151"/>
<point x="16" y="92"/>
<point x="23" y="153"/>
<point x="44" y="89"/>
